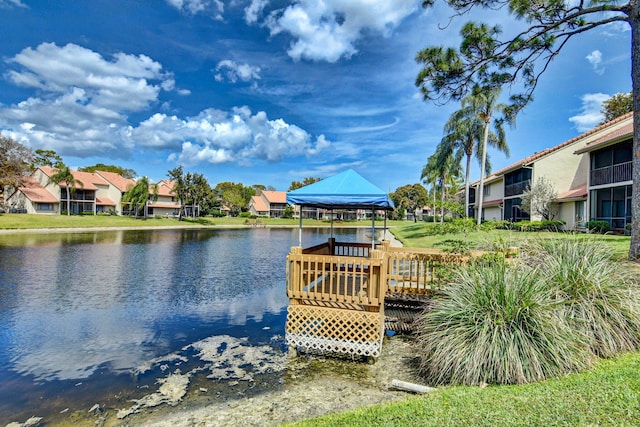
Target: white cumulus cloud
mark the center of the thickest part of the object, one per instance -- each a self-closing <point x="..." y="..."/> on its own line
<point x="213" y="7"/>
<point x="590" y="114"/>
<point x="215" y="136"/>
<point x="82" y="98"/>
<point x="329" y="30"/>
<point x="595" y="59"/>
<point x="234" y="71"/>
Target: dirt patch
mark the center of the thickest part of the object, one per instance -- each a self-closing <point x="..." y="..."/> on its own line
<point x="307" y="386"/>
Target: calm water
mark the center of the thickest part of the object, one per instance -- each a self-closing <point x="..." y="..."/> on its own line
<point x="98" y="317"/>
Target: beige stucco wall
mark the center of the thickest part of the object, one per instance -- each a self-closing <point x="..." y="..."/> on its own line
<point x="492" y="213"/>
<point x="496" y="192"/>
<point x="111" y="192"/>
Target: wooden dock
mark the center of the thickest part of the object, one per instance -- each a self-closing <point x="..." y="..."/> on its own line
<point x="338" y="293"/>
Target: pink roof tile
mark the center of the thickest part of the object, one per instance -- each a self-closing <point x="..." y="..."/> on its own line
<point x="275" y="196"/>
<point x="166" y="205"/>
<point x="104" y="201"/>
<point x="614" y="135"/>
<point x="121" y="183"/>
<point x="491" y="202"/>
<point x="87" y="180"/>
<point x="574" y="193"/>
<point x="36" y="192"/>
<point x="259" y="204"/>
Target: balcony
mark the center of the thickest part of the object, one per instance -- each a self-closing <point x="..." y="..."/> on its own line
<point x="517" y="188"/>
<point x="611" y="174"/>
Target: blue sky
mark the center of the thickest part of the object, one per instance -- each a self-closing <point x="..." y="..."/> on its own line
<point x="264" y="92"/>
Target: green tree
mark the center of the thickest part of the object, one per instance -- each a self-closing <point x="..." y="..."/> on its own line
<point x="616" y="106"/>
<point x="444" y="166"/>
<point x="539" y="199"/>
<point x="409" y="197"/>
<point x="179" y="187"/>
<point x="464" y="136"/>
<point x="306" y="181"/>
<point x="138" y="196"/>
<point x="63" y="177"/>
<point x="15" y="161"/>
<point x="234" y="196"/>
<point x="46" y="158"/>
<point x="484" y="58"/>
<point x="124" y="172"/>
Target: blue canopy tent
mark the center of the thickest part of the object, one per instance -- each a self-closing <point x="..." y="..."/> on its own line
<point x="347" y="190"/>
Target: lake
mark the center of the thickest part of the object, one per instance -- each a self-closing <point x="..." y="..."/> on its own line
<point x="121" y="320"/>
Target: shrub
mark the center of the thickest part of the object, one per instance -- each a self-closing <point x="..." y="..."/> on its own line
<point x="496" y="324"/>
<point x="601" y="300"/>
<point x="455" y="246"/>
<point x="503" y="225"/>
<point x="596" y="226"/>
<point x="552" y="225"/>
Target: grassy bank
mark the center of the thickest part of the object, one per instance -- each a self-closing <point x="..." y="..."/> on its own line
<point x="26" y="221"/>
<point x="419" y="236"/>
<point x="606" y="396"/>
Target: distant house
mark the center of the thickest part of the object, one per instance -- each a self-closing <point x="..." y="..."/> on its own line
<point x="33" y="198"/>
<point x="117" y="186"/>
<point x="269" y="204"/>
<point x="166" y="203"/>
<point x="92" y="193"/>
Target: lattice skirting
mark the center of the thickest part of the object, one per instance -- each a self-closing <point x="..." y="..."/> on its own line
<point x="323" y="329"/>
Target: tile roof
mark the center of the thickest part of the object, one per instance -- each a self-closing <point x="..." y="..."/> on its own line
<point x="258" y="204"/>
<point x="496" y="202"/>
<point x="625" y="131"/>
<point x="88" y="180"/>
<point x="105" y="201"/>
<point x="167" y="205"/>
<point x="165" y="188"/>
<point x="121" y="183"/>
<point x="574" y="193"/>
<point x="275" y="196"/>
<point x="543" y="153"/>
<point x="36" y="192"/>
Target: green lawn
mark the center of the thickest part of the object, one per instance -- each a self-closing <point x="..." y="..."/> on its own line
<point x="608" y="395"/>
<point x="418" y="236"/>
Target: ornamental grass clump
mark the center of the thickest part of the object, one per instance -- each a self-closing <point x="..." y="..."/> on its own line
<point x="497" y="324"/>
<point x="601" y="300"/>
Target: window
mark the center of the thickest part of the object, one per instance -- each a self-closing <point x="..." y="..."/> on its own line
<point x="487" y="190"/>
<point x="44" y="206"/>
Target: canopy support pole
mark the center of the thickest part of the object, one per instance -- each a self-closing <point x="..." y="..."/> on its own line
<point x="300" y="229"/>
<point x="384" y="233"/>
<point x="373" y="228"/>
<point x="331" y="222"/>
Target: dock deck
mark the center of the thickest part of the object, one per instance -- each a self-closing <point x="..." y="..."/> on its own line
<point x="337" y="293"/>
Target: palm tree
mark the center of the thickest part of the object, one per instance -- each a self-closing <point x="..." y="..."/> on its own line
<point x="464" y="133"/>
<point x="444" y="166"/>
<point x="65" y="176"/>
<point x="430" y="176"/>
<point x="483" y="103"/>
<point x="139" y="195"/>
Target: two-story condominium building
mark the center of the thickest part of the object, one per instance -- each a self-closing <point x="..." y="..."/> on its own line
<point x="90" y="193"/>
<point x="567" y="172"/>
<point x="610" y="174"/>
<point x="268" y="204"/>
<point x="166" y="203"/>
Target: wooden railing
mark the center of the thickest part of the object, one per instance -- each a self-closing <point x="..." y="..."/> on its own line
<point x="418" y="271"/>
<point x="340" y="248"/>
<point x="336" y="279"/>
<point x="324" y="274"/>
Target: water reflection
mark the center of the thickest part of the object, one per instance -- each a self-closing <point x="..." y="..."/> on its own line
<point x="73" y="306"/>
